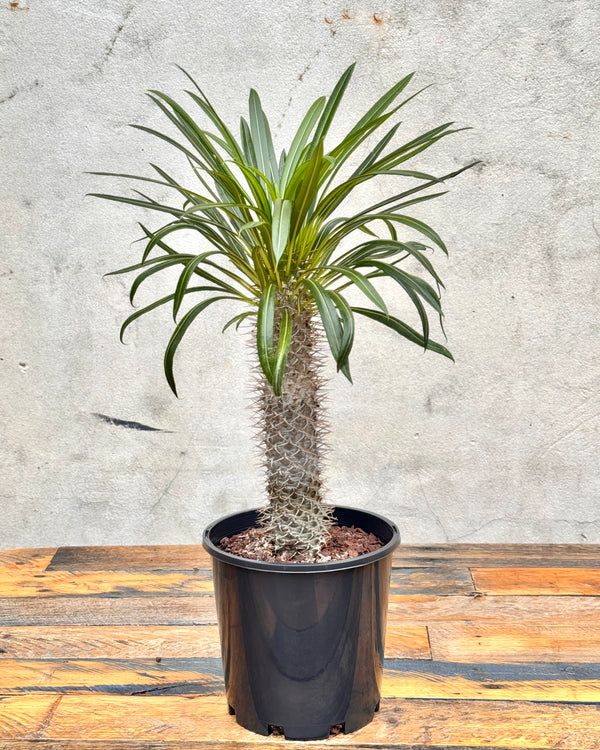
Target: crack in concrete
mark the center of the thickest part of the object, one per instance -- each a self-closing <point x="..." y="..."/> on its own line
<point x="169" y="484"/>
<point x="300" y="78"/>
<point x="20" y="90"/>
<point x="110" y="46"/>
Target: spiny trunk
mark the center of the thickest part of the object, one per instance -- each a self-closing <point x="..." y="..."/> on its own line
<point x="292" y="436"/>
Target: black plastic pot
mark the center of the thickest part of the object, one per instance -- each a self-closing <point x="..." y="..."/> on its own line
<point x="302" y="643"/>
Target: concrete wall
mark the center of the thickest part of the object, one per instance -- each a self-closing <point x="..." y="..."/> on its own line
<point x="501" y="446"/>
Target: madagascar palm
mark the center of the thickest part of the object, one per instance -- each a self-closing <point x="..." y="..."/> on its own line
<point x="270" y="230"/>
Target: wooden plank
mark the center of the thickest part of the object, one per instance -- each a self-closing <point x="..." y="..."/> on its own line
<point x="188" y="557"/>
<point x="132" y="642"/>
<point x="437" y="579"/>
<point x="82" y="610"/>
<point x="124" y="677"/>
<point x="403" y="678"/>
<point x="498" y="555"/>
<point x="426" y="610"/>
<point x="538" y="681"/>
<point x="108" y="583"/>
<point x="406" y="642"/>
<point x="149" y="642"/>
<point x="167" y="557"/>
<point x="537" y="582"/>
<point x="200" y="610"/>
<point x="33" y="559"/>
<point x="413" y="724"/>
<point x="25" y="716"/>
<point x="515" y="642"/>
<point x="442" y="581"/>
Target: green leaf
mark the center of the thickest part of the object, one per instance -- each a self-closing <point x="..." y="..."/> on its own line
<point x="157" y="134"/>
<point x="332" y="325"/>
<point x="179" y="333"/>
<point x="299" y="142"/>
<point x="308" y="188"/>
<point x="138" y="313"/>
<point x="156" y="237"/>
<point x="264" y="331"/>
<point x="237" y="319"/>
<point x="362" y="283"/>
<point x="166" y="263"/>
<point x="404" y="330"/>
<point x="363" y="255"/>
<point x="251" y="225"/>
<point x="382" y="103"/>
<point x="332" y="104"/>
<point x="405" y="281"/>
<point x="282" y="215"/>
<point x="423" y="228"/>
<point x="247" y="145"/>
<point x="142" y="204"/>
<point x="261" y="138"/>
<point x="145" y="264"/>
<point x="283" y="347"/>
<point x="371" y="157"/>
<point x="184" y="280"/>
<point x="347" y="321"/>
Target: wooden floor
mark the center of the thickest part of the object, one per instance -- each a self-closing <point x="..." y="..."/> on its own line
<point x="489" y="646"/>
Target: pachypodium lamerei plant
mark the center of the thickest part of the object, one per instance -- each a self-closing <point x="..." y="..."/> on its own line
<point x="269" y="231"/>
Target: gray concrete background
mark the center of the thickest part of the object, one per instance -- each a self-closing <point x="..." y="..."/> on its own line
<point x="500" y="447"/>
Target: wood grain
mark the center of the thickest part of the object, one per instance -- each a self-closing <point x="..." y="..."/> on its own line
<point x="403" y="678"/>
<point x="407" y="642"/>
<point x="131" y="642"/>
<point x="22" y="582"/>
<point x="410" y="723"/>
<point x="514" y="642"/>
<point x="499" y="555"/>
<point x="148" y="642"/>
<point x="425" y="610"/>
<point x="82" y="610"/>
<point x="190" y="556"/>
<point x="127" y="677"/>
<point x="492" y="682"/>
<point x="537" y="582"/>
<point x="411" y="610"/>
<point x="34" y="581"/>
<point x="37" y="558"/>
<point x="437" y="579"/>
<point x="166" y="557"/>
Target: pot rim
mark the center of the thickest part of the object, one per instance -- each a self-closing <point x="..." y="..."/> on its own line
<point x="292" y="567"/>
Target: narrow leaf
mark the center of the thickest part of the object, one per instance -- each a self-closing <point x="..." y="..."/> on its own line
<point x="179" y="333"/>
<point x="261" y="137"/>
<point x="330" y="319"/>
<point x="184" y="280"/>
<point x="283" y="347"/>
<point x="347" y="322"/>
<point x="299" y="141"/>
<point x="332" y="104"/>
<point x="282" y="215"/>
<point x="264" y="331"/>
<point x="138" y="313"/>
<point x="404" y="330"/>
<point x="361" y="281"/>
